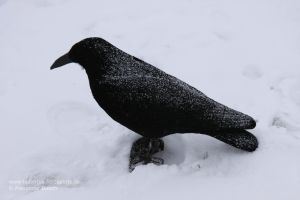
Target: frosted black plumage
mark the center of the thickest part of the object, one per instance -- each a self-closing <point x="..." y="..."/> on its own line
<point x="153" y="103"/>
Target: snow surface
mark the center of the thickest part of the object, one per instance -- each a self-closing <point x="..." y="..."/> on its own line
<point x="245" y="54"/>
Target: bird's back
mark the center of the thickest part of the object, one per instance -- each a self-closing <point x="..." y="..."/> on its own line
<point x="154" y="103"/>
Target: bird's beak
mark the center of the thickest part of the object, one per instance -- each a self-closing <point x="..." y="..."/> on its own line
<point x="63" y="60"/>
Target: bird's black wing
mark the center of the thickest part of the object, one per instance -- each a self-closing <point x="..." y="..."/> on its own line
<point x="166" y="105"/>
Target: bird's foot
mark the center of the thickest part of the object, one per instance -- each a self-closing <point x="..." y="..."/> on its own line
<point x="142" y="151"/>
<point x="157" y="161"/>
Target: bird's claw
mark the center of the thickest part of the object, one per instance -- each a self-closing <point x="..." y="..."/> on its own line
<point x="157" y="161"/>
<point x="142" y="151"/>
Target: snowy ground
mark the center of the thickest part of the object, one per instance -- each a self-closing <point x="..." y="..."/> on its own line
<point x="245" y="54"/>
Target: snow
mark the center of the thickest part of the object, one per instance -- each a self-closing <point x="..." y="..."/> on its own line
<point x="244" y="54"/>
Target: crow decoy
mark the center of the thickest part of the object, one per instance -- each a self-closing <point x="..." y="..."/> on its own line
<point x="153" y="103"/>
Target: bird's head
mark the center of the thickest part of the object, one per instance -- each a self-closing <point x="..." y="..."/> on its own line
<point x="87" y="52"/>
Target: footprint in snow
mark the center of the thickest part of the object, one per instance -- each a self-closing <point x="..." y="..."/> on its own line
<point x="295" y="93"/>
<point x="252" y="72"/>
<point x="2" y="2"/>
<point x="283" y="120"/>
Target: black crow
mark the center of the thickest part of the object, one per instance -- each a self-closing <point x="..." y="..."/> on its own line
<point x="153" y="103"/>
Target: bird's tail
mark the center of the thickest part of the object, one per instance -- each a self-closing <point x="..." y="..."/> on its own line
<point x="238" y="138"/>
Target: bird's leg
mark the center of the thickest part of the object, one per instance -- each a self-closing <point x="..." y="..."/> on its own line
<point x="142" y="151"/>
